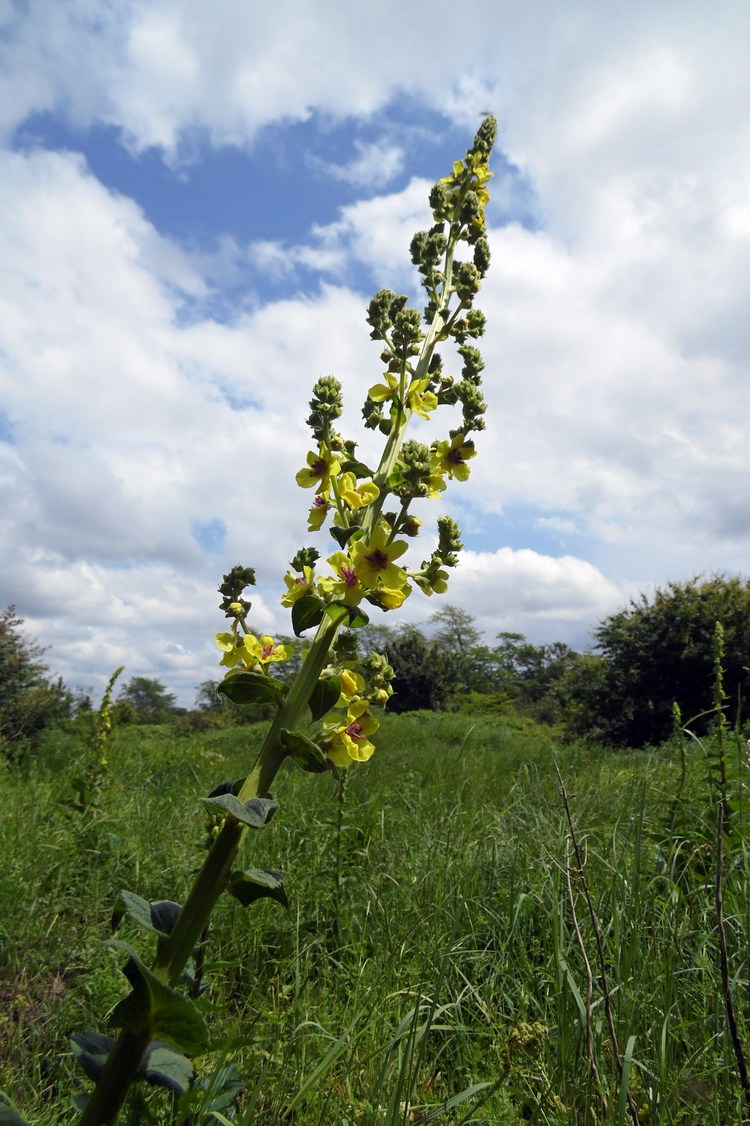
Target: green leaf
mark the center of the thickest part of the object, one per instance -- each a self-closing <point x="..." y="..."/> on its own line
<point x="307" y="612"/>
<point x="358" y="468"/>
<point x="307" y="755"/>
<point x="162" y="1066"/>
<point x="159" y="917"/>
<point x="128" y="903"/>
<point x="154" y="1005"/>
<point x="11" y="1117"/>
<point x="256" y="812"/>
<point x="91" y="1050"/>
<point x="353" y="616"/>
<point x="343" y="535"/>
<point x="257" y="883"/>
<point x="324" y="696"/>
<point x="252" y="688"/>
<point x="164" y="915"/>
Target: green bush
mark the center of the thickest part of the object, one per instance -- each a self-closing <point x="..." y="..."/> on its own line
<point x="29" y="700"/>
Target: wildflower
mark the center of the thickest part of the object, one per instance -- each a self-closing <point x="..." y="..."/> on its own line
<point x="392" y="598"/>
<point x="318" y="511"/>
<point x="348" y="742"/>
<point x="420" y="400"/>
<point x="320" y="468"/>
<point x="298" y="585"/>
<point x="451" y="457"/>
<point x="263" y="650"/>
<point x="380" y="392"/>
<point x="357" y="497"/>
<point x="351" y="685"/>
<point x="374" y="562"/>
<point x="233" y="649"/>
<point x="346" y="587"/>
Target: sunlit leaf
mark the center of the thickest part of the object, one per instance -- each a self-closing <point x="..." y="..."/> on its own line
<point x="256" y="812"/>
<point x="162" y="1066"/>
<point x="257" y="883"/>
<point x="154" y="1005"/>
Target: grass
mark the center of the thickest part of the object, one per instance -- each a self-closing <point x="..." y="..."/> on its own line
<point x="448" y="958"/>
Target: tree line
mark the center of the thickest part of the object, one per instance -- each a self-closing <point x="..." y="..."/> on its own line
<point x="655" y="653"/>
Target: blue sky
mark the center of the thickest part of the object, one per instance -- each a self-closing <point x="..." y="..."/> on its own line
<point x="198" y="203"/>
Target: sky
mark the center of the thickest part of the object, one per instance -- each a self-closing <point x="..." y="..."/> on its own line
<point x="197" y="203"/>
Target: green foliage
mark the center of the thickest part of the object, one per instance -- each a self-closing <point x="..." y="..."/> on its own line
<point x="153" y="703"/>
<point x="457" y="962"/>
<point x="29" y="700"/>
<point x="426" y="673"/>
<point x="660" y="651"/>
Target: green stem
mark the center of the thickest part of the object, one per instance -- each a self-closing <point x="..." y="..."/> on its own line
<point x="122" y="1065"/>
<point x="110" y="1092"/>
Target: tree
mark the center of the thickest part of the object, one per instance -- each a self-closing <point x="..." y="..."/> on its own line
<point x="206" y="696"/>
<point x="152" y="701"/>
<point x="426" y="674"/>
<point x="29" y="701"/>
<point x="660" y="651"/>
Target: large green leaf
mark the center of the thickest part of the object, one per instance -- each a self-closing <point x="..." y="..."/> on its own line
<point x="306" y="754"/>
<point x="255" y="812"/>
<point x="324" y="696"/>
<point x="154" y="1005"/>
<point x="8" y="1113"/>
<point x="257" y="883"/>
<point x="162" y="1066"/>
<point x="91" y="1050"/>
<point x="252" y="688"/>
<point x="159" y="917"/>
<point x="306" y="613"/>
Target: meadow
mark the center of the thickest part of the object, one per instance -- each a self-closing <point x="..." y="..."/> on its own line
<point x="438" y="959"/>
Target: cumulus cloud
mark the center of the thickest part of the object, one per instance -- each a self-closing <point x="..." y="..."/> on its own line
<point x="134" y="419"/>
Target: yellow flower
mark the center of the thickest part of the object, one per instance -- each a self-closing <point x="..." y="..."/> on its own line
<point x="318" y="511"/>
<point x="420" y="400"/>
<point x="392" y="599"/>
<point x="264" y="650"/>
<point x="232" y="647"/>
<point x="320" y="468"/>
<point x="451" y="457"/>
<point x="374" y="561"/>
<point x="346" y="587"/>
<point x="356" y="497"/>
<point x="379" y="392"/>
<point x="297" y="585"/>
<point x="351" y="684"/>
<point x="348" y="741"/>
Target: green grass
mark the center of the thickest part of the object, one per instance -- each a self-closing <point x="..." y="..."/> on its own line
<point x="447" y="959"/>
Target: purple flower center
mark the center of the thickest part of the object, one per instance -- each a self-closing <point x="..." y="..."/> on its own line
<point x="377" y="559"/>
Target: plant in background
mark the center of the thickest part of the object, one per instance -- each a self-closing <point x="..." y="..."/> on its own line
<point x="87" y="787"/>
<point x="368" y="512"/>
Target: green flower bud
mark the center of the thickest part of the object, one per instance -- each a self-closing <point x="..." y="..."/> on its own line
<point x="305" y="557"/>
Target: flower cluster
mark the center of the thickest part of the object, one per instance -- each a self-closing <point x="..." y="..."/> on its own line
<point x="366" y="509"/>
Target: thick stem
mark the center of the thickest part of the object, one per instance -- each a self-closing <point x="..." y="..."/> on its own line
<point x="122" y="1065"/>
<point x="110" y="1093"/>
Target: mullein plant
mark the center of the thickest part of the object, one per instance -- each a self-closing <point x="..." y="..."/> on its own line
<point x="335" y="695"/>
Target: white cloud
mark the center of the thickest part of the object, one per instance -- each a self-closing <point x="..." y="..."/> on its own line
<point x="618" y="341"/>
